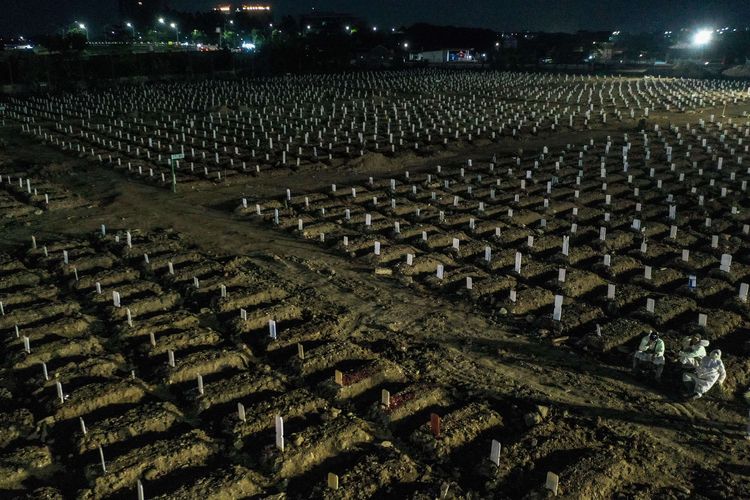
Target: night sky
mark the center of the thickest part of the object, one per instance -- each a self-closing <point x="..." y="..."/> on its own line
<point x="35" y="16"/>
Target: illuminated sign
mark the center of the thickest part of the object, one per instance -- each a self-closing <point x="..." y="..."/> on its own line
<point x="226" y="9"/>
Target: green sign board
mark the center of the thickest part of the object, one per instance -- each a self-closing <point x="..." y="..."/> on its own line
<point x="177" y="156"/>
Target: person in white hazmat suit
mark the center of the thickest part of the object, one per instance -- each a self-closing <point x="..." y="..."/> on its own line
<point x="650" y="355"/>
<point x="693" y="351"/>
<point x="709" y="371"/>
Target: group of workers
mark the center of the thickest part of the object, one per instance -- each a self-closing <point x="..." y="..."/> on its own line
<point x="700" y="371"/>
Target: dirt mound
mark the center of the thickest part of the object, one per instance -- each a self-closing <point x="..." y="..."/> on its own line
<point x="739" y="71"/>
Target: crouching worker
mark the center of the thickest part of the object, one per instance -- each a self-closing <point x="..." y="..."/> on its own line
<point x="709" y="371"/>
<point x="650" y="355"/>
<point x="693" y="351"/>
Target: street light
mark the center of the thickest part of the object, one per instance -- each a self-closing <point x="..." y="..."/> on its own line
<point x="161" y="20"/>
<point x="177" y="32"/>
<point x="85" y="30"/>
<point x="702" y="37"/>
<point x="132" y="28"/>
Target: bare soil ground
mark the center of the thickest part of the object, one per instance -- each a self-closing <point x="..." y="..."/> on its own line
<point x="554" y="400"/>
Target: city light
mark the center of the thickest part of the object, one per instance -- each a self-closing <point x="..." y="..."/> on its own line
<point x="406" y="45"/>
<point x="702" y="37"/>
<point x="161" y="20"/>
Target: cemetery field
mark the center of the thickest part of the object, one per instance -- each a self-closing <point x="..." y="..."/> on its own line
<point x="394" y="285"/>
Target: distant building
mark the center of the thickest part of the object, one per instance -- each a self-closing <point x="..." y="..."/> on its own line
<point x="141" y="11"/>
<point x="254" y="8"/>
<point x="446" y="56"/>
<point x="603" y="52"/>
<point x="255" y="13"/>
<point x="247" y="14"/>
<point x="251" y="9"/>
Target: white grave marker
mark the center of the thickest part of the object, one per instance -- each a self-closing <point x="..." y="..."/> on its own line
<point x="280" y="433"/>
<point x="552" y="482"/>
<point x="101" y="458"/>
<point x="726" y="262"/>
<point x="557" y="311"/>
<point x="272" y="329"/>
<point x="495" y="452"/>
